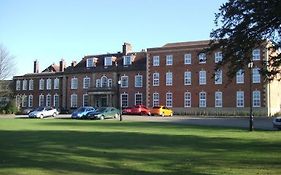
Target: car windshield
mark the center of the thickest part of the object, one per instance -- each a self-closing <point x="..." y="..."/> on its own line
<point x="102" y="109"/>
<point x="82" y="109"/>
<point x="156" y="107"/>
<point x="39" y="109"/>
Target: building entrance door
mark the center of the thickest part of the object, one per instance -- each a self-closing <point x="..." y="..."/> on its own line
<point x="103" y="101"/>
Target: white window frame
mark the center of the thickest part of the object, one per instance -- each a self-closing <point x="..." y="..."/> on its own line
<point x="24" y="101"/>
<point x="124" y="98"/>
<point x="169" y="78"/>
<point x="187" y="78"/>
<point x="90" y="62"/>
<point x="202" y="99"/>
<point x="48" y="100"/>
<point x="73" y="101"/>
<point x="202" y="77"/>
<point x="240" y="77"/>
<point x="30" y="101"/>
<point x="107" y="61"/>
<point x="86" y="82"/>
<point x="98" y="83"/>
<point x="218" y="99"/>
<point x="187" y="58"/>
<point x="256" y="54"/>
<point x="74" y="83"/>
<point x="202" y="58"/>
<point x="31" y="85"/>
<point x="169" y="60"/>
<point x="24" y="85"/>
<point x="124" y="81"/>
<point x="155" y="60"/>
<point x="41" y="101"/>
<point x="104" y="81"/>
<point x="187" y="99"/>
<point x="138" y="98"/>
<point x="156" y="79"/>
<point x="169" y="99"/>
<point x="49" y="84"/>
<point x="138" y="80"/>
<point x="85" y="100"/>
<point x="18" y="87"/>
<point x="156" y="99"/>
<point x="240" y="99"/>
<point x="56" y="83"/>
<point x="256" y="75"/>
<point x="218" y="77"/>
<point x="109" y="82"/>
<point x="41" y="84"/>
<point x="256" y="98"/>
<point x="56" y="100"/>
<point x="127" y="60"/>
<point x="218" y="57"/>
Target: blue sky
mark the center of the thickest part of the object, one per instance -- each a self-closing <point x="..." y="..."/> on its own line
<point x="49" y="30"/>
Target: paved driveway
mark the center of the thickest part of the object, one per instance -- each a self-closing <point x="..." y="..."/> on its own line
<point x="261" y="123"/>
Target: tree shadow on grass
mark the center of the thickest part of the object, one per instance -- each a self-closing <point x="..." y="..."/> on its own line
<point x="115" y="152"/>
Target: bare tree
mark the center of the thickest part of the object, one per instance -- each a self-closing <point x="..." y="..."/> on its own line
<point x="7" y="66"/>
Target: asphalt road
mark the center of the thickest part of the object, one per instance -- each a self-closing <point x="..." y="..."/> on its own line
<point x="260" y="123"/>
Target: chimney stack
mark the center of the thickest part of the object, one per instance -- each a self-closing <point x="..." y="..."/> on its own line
<point x="36" y="67"/>
<point x="127" y="48"/>
<point x="62" y="65"/>
<point x="73" y="64"/>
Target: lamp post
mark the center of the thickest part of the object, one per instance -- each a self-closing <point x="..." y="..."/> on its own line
<point x="251" y="117"/>
<point x="118" y="83"/>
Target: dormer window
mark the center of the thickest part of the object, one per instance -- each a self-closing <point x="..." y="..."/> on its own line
<point x="108" y="61"/>
<point x="90" y="62"/>
<point x="127" y="60"/>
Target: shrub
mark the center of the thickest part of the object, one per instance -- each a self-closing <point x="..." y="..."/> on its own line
<point x="11" y="107"/>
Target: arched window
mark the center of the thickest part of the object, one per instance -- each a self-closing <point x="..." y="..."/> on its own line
<point x="103" y="81"/>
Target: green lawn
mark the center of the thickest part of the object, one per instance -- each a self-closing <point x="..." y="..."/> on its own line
<point x="31" y="146"/>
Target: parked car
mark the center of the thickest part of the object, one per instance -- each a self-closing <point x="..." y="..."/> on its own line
<point x="82" y="111"/>
<point x="276" y="122"/>
<point x="27" y="110"/>
<point x="161" y="110"/>
<point x="42" y="112"/>
<point x="137" y="109"/>
<point x="104" y="113"/>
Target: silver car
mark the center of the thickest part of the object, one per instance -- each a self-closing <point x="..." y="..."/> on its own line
<point x="42" y="112"/>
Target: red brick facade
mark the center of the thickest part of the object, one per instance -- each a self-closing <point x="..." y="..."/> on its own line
<point x="186" y="82"/>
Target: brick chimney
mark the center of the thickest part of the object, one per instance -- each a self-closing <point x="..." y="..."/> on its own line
<point x="36" y="67"/>
<point x="62" y="65"/>
<point x="127" y="48"/>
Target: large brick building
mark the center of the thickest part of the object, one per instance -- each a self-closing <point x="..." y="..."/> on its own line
<point x="178" y="75"/>
<point x="97" y="80"/>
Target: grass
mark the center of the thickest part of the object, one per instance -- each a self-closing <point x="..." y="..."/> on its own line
<point x="30" y="146"/>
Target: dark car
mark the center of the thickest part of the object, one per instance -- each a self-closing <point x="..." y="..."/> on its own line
<point x="104" y="113"/>
<point x="81" y="112"/>
<point x="277" y="123"/>
<point x="137" y="109"/>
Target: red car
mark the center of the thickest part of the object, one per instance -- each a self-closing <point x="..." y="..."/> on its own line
<point x="137" y="109"/>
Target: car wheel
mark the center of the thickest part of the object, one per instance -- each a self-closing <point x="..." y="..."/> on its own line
<point x="163" y="115"/>
<point x="102" y="117"/>
<point x="171" y="114"/>
<point x="41" y="116"/>
<point x="116" y="115"/>
<point x="54" y="114"/>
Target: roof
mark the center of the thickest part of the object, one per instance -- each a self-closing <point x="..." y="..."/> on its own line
<point x="189" y="43"/>
<point x="52" y="68"/>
